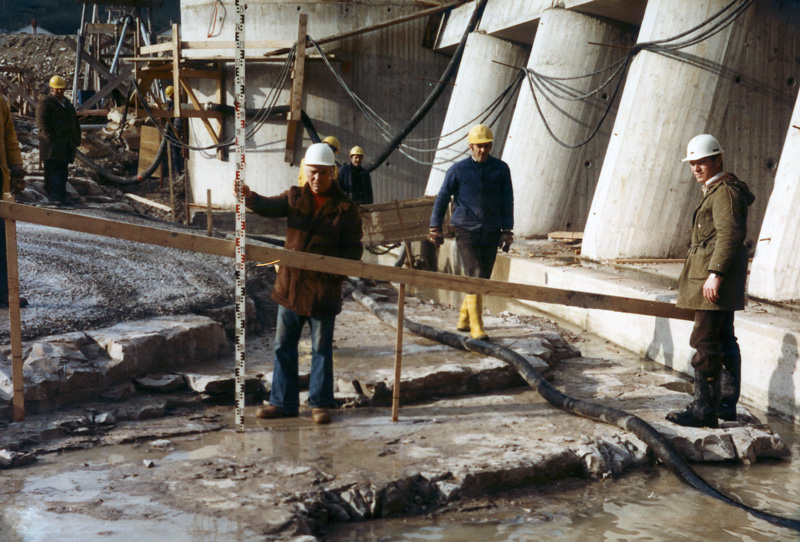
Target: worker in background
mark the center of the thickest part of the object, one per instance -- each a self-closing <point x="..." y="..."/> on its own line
<point x="321" y="220"/>
<point x="12" y="174"/>
<point x="177" y="151"/>
<point x="713" y="284"/>
<point x="483" y="217"/>
<point x="334" y="145"/>
<point x="59" y="138"/>
<point x="355" y="180"/>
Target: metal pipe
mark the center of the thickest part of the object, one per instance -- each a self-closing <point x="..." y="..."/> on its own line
<point x="115" y="62"/>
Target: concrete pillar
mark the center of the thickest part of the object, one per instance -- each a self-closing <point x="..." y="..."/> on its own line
<point x="478" y="83"/>
<point x="732" y="85"/>
<point x="775" y="271"/>
<point x="554" y="185"/>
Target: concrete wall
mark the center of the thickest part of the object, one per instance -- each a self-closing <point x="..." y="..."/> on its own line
<point x="732" y="85"/>
<point x="554" y="184"/>
<point x="389" y="69"/>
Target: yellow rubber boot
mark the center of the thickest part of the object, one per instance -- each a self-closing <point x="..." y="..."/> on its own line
<point x="463" y="317"/>
<point x="475" y="308"/>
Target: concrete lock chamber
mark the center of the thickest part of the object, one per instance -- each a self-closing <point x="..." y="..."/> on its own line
<point x="483" y="75"/>
<point x="554" y="184"/>
<point x="731" y="84"/>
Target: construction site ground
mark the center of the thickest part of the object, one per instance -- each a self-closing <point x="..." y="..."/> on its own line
<point x="160" y="460"/>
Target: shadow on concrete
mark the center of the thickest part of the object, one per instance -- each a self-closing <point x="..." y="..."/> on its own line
<point x="781" y="383"/>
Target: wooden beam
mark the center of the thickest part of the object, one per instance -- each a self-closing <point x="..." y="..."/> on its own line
<point x="296" y="100"/>
<point x="165" y="46"/>
<point x="196" y="103"/>
<point x="124" y="76"/>
<point x="327" y="264"/>
<point x="15" y="322"/>
<point x="399" y="20"/>
<point x="17" y="90"/>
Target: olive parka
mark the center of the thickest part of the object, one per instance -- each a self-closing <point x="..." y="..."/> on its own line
<point x="719" y="228"/>
<point x="59" y="130"/>
<point x="333" y="230"/>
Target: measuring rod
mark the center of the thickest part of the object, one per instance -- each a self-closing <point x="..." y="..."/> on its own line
<point x="239" y="256"/>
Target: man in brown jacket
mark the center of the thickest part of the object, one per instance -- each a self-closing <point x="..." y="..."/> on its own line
<point x="12" y="175"/>
<point x="59" y="137"/>
<point x="321" y="220"/>
<point x="713" y="284"/>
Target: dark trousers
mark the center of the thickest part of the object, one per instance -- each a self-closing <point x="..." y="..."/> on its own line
<point x="715" y="343"/>
<point x="55" y="179"/>
<point x="478" y="251"/>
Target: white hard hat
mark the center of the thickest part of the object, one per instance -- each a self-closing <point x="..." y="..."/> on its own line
<point x="702" y="146"/>
<point x="320" y="154"/>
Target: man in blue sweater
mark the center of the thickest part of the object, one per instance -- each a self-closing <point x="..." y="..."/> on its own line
<point x="483" y="217"/>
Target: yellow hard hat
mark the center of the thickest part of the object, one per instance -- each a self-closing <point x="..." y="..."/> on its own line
<point x="57" y="82"/>
<point x="356" y="150"/>
<point x="330" y="140"/>
<point x="480" y="134"/>
<point x="169" y="91"/>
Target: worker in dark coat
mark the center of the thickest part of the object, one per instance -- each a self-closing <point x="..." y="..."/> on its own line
<point x="355" y="180"/>
<point x="483" y="217"/>
<point x="713" y="284"/>
<point x="12" y="174"/>
<point x="59" y="138"/>
<point x="321" y="220"/>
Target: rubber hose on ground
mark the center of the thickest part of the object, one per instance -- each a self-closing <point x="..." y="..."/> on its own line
<point x="661" y="447"/>
<point x="118" y="179"/>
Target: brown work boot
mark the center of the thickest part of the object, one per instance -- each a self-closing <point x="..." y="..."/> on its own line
<point x="271" y="411"/>
<point x="320" y="415"/>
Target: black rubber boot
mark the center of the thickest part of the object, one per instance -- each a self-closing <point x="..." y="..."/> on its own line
<point x="731" y="380"/>
<point x="702" y="411"/>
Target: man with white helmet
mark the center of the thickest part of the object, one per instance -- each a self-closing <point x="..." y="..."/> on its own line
<point x="355" y="180"/>
<point x="483" y="217"/>
<point x="333" y="143"/>
<point x="59" y="137"/>
<point x="713" y="284"/>
<point x="321" y="220"/>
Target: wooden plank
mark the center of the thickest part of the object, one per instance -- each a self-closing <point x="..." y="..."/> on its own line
<point x="565" y="235"/>
<point x="149" y="143"/>
<point x="327" y="264"/>
<point x="149" y="202"/>
<point x="15" y="322"/>
<point x="381" y="224"/>
<point x="162" y="47"/>
<point x="296" y="100"/>
<point x="17" y="90"/>
<point x="197" y="106"/>
<point x="399" y="20"/>
<point x="123" y="77"/>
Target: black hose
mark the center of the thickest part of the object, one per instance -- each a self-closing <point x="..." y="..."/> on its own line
<point x="277" y="110"/>
<point x="452" y="66"/>
<point x="118" y="179"/>
<point x="661" y="447"/>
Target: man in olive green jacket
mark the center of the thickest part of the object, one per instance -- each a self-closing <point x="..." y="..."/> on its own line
<point x="713" y="284"/>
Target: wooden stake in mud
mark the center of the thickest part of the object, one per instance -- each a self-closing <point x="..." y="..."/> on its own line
<point x="18" y="399"/>
<point x="171" y="183"/>
<point x="398" y="347"/>
<point x="239" y="257"/>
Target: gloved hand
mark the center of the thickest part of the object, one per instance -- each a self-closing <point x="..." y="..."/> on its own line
<point x="436" y="236"/>
<point x="506" y="238"/>
<point x="17" y="179"/>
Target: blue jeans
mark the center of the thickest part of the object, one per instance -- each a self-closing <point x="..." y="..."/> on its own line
<point x="285" y="388"/>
